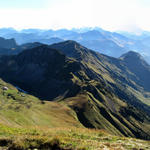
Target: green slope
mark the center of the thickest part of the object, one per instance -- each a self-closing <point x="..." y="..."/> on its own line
<point x="19" y="109"/>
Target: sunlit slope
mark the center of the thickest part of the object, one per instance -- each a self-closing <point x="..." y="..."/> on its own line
<point x="20" y="109"/>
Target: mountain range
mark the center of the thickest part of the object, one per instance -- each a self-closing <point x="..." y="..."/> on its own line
<point x="109" y="43"/>
<point x="104" y="92"/>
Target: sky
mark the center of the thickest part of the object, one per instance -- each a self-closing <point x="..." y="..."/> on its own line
<point x="112" y="15"/>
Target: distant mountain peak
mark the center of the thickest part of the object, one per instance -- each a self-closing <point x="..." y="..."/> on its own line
<point x="93" y="34"/>
<point x="93" y="31"/>
<point x="132" y="55"/>
<point x="71" y="42"/>
<point x="7" y="43"/>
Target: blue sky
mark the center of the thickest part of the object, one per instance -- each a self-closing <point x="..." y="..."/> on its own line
<point x="130" y="15"/>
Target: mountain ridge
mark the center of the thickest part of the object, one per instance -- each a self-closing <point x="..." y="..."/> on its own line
<point x="100" y="89"/>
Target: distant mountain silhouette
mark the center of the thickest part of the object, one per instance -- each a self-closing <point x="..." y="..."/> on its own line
<point x="7" y="43"/>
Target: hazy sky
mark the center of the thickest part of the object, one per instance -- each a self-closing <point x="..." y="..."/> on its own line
<point x="130" y="15"/>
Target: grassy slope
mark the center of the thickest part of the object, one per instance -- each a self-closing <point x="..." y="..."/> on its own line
<point x="25" y="123"/>
<point x="19" y="109"/>
<point x="97" y="107"/>
<point x="94" y="114"/>
<point x="66" y="139"/>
